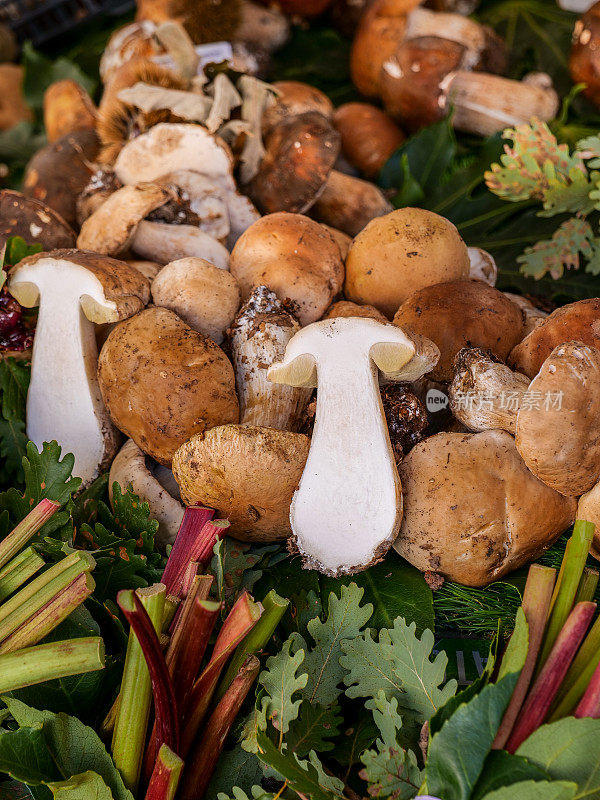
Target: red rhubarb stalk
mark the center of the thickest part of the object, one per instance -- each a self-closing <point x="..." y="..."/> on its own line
<point x="555" y="668"/>
<point x="165" y="705"/>
<point x="199" y="590"/>
<point x="589" y="706"/>
<point x="194" y="640"/>
<point x="165" y="776"/>
<point x="194" y="542"/>
<point x="536" y="605"/>
<point x="240" y="621"/>
<point x="208" y="748"/>
<point x="26" y="529"/>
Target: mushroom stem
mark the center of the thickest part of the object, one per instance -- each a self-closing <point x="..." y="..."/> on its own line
<point x="176" y="41"/>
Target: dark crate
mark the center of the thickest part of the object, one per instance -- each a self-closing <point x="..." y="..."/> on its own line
<point x="42" y="21"/>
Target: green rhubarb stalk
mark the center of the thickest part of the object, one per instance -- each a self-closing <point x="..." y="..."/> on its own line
<point x="165" y="776"/>
<point x="26" y="530"/>
<point x="588" y="584"/>
<point x="578" y="675"/>
<point x="35" y="595"/>
<point x="274" y="608"/>
<point x="51" y="615"/>
<point x="572" y="569"/>
<point x="18" y="570"/>
<point x="46" y="662"/>
<point x="172" y="605"/>
<point x="135" y="698"/>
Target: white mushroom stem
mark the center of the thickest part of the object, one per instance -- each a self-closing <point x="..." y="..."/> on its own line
<point x="164" y="243"/>
<point x="348" y="506"/>
<point x="257" y="96"/>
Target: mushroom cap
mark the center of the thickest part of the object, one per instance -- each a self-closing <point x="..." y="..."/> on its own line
<point x="295" y="257"/>
<point x="558" y="429"/>
<point x="247" y="473"/>
<point x="473" y="511"/>
<point x="483" y="267"/>
<point x="149" y="269"/>
<point x="578" y="321"/>
<point x="125" y="289"/>
<point x="588" y="508"/>
<point x="67" y="108"/>
<point x="205" y="297"/>
<point x="343" y="240"/>
<point x="400" y="253"/>
<point x="300" y="154"/>
<point x="59" y="172"/>
<point x="369" y="136"/>
<point x="344" y="308"/>
<point x="111" y="227"/>
<point x="458" y="314"/>
<point x="13" y="108"/>
<point x="162" y="382"/>
<point x="584" y="62"/>
<point x="295" y="98"/>
<point x="34" y="221"/>
<point x="349" y="203"/>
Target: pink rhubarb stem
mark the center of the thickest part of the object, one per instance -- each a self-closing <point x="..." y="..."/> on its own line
<point x="202" y="763"/>
<point x="165" y="704"/>
<point x="555" y="668"/>
<point x="589" y="705"/>
<point x="26" y="529"/>
<point x="165" y="776"/>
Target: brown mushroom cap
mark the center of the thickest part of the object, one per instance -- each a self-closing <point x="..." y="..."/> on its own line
<point x="67" y="108"/>
<point x="295" y="98"/>
<point x="578" y="321"/>
<point x="58" y="172"/>
<point x="247" y="473"/>
<point x="588" y="508"/>
<point x="162" y="382"/>
<point x="473" y="511"/>
<point x="584" y="63"/>
<point x="349" y="203"/>
<point x="295" y="257"/>
<point x="459" y="314"/>
<point x="301" y="152"/>
<point x="400" y="253"/>
<point x="558" y="430"/>
<point x="13" y="108"/>
<point x="369" y="136"/>
<point x="343" y="240"/>
<point x="344" y="308"/>
<point x="34" y="221"/>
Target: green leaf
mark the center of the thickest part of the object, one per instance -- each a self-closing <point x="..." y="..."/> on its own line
<point x="516" y="651"/>
<point x="552" y="256"/>
<point x="503" y="769"/>
<point x="400" y="665"/>
<point x="40" y="72"/>
<point x="358" y="734"/>
<point x="314" y="728"/>
<point x="568" y="750"/>
<point x="17" y="249"/>
<point x="13" y="445"/>
<point x="87" y="786"/>
<point x="256" y="793"/>
<point x="458" y="751"/>
<point x="233" y="566"/>
<point x="17" y="145"/>
<point x="14" y="382"/>
<point x="281" y="684"/>
<point x="236" y="768"/>
<point x="25" y="756"/>
<point x="535" y="790"/>
<point x="346" y="617"/>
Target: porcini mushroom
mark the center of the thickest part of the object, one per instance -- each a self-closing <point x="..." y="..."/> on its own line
<point x="461" y="313"/>
<point x="74" y="290"/>
<point x="533" y="315"/>
<point x="348" y="203"/>
<point x="369" y="136"/>
<point x="578" y="321"/>
<point x="132" y="468"/>
<point x="13" y="108"/>
<point x="401" y="252"/>
<point x="584" y="63"/>
<point x="295" y="257"/>
<point x="555" y="417"/>
<point x="344" y="308"/>
<point x="258" y="337"/>
<point x="34" y="221"/>
<point x="247" y="473"/>
<point x="67" y="108"/>
<point x="294" y="98"/>
<point x="473" y="511"/>
<point x="164" y="243"/>
<point x="347" y="509"/>
<point x="482" y="266"/>
<point x="204" y="296"/>
<point x="162" y="382"/>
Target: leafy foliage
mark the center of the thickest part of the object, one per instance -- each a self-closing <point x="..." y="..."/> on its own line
<point x="314" y="728"/>
<point x="281" y="683"/>
<point x="14" y="382"/>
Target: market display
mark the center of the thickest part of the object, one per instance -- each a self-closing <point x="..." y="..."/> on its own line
<point x="299" y="403"/>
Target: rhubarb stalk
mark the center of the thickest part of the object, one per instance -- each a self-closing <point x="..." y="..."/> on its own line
<point x="198" y="589"/>
<point x="51" y="615"/>
<point x="135" y="698"/>
<point x="165" y="776"/>
<point x="274" y="608"/>
<point x="544" y="689"/>
<point x="536" y="605"/>
<point x="18" y="570"/>
<point x="45" y="662"/>
<point x="202" y="763"/>
<point x="240" y="621"/>
<point x="571" y="571"/>
<point x="588" y="584"/>
<point x="26" y="529"/>
<point x="191" y="539"/>
<point x="195" y="634"/>
<point x="579" y="674"/>
<point x="589" y="705"/>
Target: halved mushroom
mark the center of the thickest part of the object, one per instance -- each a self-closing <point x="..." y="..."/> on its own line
<point x="74" y="290"/>
<point x="34" y="221"/>
<point x="247" y="473"/>
<point x="132" y="468"/>
<point x="204" y="296"/>
<point x="295" y="257"/>
<point x="461" y="313"/>
<point x="162" y="382"/>
<point x="473" y="511"/>
<point x="555" y="417"/>
<point x="578" y="321"/>
<point x="258" y="337"/>
<point x="348" y="506"/>
<point x="401" y="252"/>
<point x="67" y="108"/>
